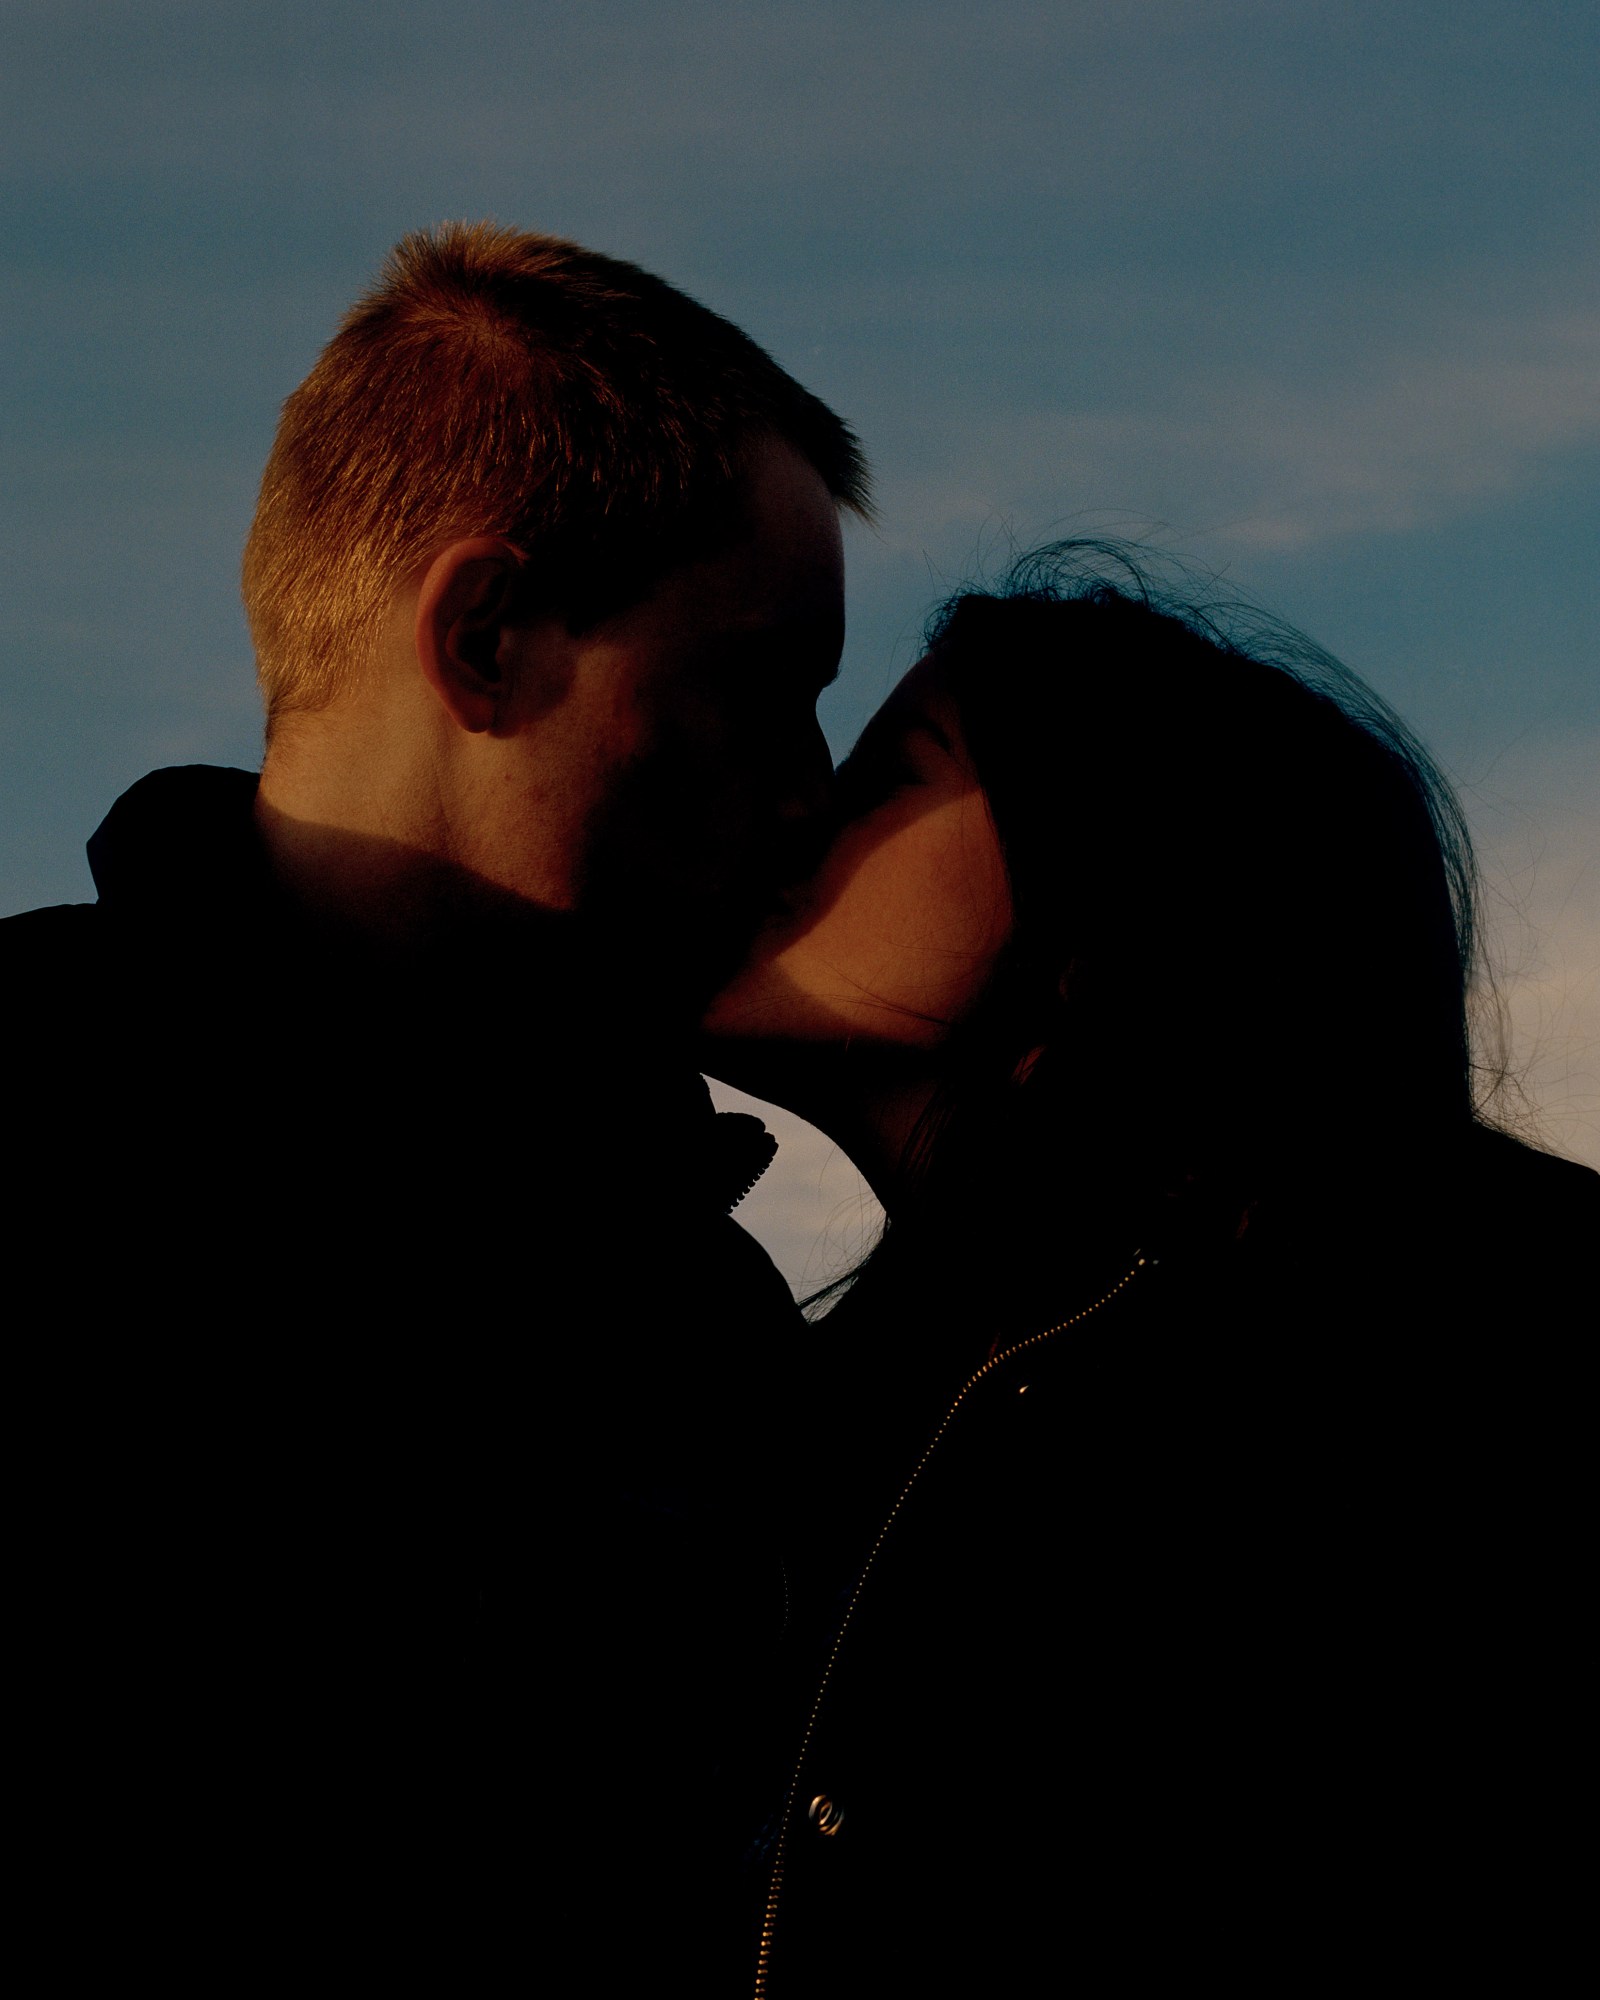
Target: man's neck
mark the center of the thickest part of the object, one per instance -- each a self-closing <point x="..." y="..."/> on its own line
<point x="364" y="885"/>
<point x="355" y="820"/>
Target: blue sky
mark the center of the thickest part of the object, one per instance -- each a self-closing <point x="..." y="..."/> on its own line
<point x="1310" y="292"/>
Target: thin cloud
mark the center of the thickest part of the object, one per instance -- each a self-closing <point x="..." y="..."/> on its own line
<point x="1423" y="434"/>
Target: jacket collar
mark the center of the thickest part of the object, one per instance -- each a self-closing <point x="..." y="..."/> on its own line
<point x="180" y="839"/>
<point x="180" y="847"/>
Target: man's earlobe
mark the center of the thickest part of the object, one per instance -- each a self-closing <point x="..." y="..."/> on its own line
<point x="463" y="607"/>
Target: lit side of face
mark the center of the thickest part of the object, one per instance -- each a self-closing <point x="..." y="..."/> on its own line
<point x="896" y="935"/>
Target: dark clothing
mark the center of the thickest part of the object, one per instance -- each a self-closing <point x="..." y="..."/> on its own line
<point x="1236" y="1632"/>
<point x="396" y="1573"/>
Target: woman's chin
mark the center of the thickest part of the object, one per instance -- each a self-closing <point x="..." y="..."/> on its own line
<point x="770" y="1012"/>
<point x="771" y="1016"/>
<point x="759" y="1005"/>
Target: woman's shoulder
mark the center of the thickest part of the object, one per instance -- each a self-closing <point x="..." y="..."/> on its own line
<point x="1517" y="1210"/>
<point x="1487" y="1237"/>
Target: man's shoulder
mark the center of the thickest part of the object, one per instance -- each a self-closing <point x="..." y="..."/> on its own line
<point x="39" y="947"/>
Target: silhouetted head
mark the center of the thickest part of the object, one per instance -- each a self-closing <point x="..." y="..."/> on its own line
<point x="495" y="382"/>
<point x="544" y="582"/>
<point x="1242" y="927"/>
<point x="1208" y="946"/>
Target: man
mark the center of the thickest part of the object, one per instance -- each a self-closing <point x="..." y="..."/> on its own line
<point x="397" y="1577"/>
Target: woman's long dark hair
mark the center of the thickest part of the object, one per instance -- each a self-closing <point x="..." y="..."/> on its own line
<point x="1244" y="934"/>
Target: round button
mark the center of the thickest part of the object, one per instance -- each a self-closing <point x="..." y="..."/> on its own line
<point x="825" y="1816"/>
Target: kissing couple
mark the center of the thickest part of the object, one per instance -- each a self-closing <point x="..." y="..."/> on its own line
<point x="450" y="1558"/>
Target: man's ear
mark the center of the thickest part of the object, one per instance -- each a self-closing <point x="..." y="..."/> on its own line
<point x="463" y="609"/>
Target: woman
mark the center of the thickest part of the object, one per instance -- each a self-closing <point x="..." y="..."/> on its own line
<point x="1186" y="1473"/>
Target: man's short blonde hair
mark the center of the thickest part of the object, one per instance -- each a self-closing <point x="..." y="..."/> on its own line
<point x="498" y="383"/>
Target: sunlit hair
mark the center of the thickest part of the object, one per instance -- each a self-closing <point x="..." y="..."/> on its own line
<point x="1244" y="937"/>
<point x="498" y="383"/>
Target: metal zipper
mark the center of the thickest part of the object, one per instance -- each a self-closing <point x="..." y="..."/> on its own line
<point x="775" y="1887"/>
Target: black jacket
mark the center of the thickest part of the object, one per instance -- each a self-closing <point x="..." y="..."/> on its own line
<point x="392" y="1571"/>
<point x="1235" y="1632"/>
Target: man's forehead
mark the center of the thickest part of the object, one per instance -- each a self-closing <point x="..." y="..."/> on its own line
<point x="790" y="557"/>
<point x="781" y="580"/>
